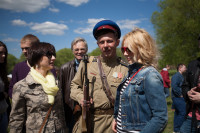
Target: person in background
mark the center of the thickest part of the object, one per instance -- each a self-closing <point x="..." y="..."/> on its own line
<point x="37" y="96"/>
<point x="191" y="94"/>
<point x="67" y="72"/>
<point x="107" y="33"/>
<point x="21" y="69"/>
<point x="165" y="75"/>
<point x="177" y="97"/>
<point x="140" y="105"/>
<point x="3" y="88"/>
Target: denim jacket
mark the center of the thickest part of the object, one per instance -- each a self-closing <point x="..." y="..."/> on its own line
<point x="143" y="103"/>
<point x="177" y="81"/>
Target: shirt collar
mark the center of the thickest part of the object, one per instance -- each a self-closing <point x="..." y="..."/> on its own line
<point x="76" y="62"/>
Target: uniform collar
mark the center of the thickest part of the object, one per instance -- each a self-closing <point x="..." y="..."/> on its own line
<point x="110" y="60"/>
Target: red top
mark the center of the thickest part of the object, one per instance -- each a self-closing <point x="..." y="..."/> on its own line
<point x="165" y="75"/>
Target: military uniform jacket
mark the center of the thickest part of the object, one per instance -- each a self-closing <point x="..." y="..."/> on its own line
<point x="30" y="106"/>
<point x="115" y="72"/>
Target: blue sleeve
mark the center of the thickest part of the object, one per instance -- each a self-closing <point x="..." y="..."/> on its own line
<point x="176" y="86"/>
<point x="154" y="92"/>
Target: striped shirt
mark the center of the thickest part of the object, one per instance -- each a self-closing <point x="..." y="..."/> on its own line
<point x="119" y="126"/>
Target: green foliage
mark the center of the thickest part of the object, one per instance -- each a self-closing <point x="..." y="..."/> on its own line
<point x="62" y="56"/>
<point x="95" y="52"/>
<point x="169" y="127"/>
<point x="11" y="61"/>
<point x="119" y="54"/>
<point x="177" y="28"/>
<point x="22" y="58"/>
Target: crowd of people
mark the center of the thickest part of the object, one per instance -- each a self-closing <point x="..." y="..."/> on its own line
<point x="123" y="97"/>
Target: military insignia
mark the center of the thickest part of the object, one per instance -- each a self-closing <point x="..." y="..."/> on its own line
<point x="120" y="75"/>
<point x="93" y="73"/>
<point x="115" y="74"/>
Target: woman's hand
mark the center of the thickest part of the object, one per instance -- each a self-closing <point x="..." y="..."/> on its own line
<point x="194" y="95"/>
<point x="114" y="125"/>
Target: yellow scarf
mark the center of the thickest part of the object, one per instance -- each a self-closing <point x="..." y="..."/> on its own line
<point x="48" y="83"/>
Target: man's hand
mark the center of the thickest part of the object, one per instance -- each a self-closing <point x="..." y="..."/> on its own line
<point x="86" y="103"/>
<point x="193" y="95"/>
<point x="114" y="126"/>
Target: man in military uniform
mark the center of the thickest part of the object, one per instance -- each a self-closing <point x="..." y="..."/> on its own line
<point x="107" y="33"/>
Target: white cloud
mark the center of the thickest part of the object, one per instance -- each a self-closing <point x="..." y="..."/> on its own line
<point x="54" y="10"/>
<point x="75" y="3"/>
<point x="49" y="28"/>
<point x="43" y="28"/>
<point x="30" y="6"/>
<point x="123" y="24"/>
<point x="128" y="24"/>
<point x="19" y="22"/>
<point x="83" y="30"/>
<point x="9" y="39"/>
<point x="89" y="28"/>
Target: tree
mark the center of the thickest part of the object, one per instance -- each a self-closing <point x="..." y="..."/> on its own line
<point x="97" y="52"/>
<point x="22" y="58"/>
<point x="177" y="29"/>
<point x="62" y="56"/>
<point x="11" y="61"/>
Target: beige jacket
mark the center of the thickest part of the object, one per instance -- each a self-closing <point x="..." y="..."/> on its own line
<point x="30" y="106"/>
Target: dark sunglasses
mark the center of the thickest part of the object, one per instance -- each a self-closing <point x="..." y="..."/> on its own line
<point x="123" y="49"/>
<point x="49" y="54"/>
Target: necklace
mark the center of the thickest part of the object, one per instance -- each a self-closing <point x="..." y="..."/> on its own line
<point x="134" y="75"/>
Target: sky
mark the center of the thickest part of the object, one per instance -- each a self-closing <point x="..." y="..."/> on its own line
<point x="60" y="21"/>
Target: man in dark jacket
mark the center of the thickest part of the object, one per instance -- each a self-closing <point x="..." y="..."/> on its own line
<point x="191" y="94"/>
<point x="177" y="97"/>
<point x="67" y="72"/>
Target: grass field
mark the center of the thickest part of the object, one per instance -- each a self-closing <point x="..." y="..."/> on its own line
<point x="169" y="127"/>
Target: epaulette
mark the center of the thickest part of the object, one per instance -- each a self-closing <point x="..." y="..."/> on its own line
<point x="122" y="62"/>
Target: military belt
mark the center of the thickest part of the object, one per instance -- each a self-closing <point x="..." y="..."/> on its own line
<point x="109" y="111"/>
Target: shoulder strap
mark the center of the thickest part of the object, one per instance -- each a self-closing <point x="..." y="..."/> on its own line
<point x="104" y="81"/>
<point x="45" y="120"/>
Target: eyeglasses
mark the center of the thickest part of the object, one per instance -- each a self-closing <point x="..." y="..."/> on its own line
<point x="49" y="54"/>
<point x="81" y="49"/>
<point x="123" y="49"/>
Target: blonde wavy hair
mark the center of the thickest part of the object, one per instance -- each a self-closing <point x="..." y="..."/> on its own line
<point x="143" y="47"/>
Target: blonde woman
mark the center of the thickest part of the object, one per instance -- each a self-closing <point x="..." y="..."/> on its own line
<point x="37" y="96"/>
<point x="140" y="105"/>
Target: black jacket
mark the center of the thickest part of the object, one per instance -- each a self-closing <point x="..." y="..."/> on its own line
<point x="67" y="73"/>
<point x="190" y="80"/>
